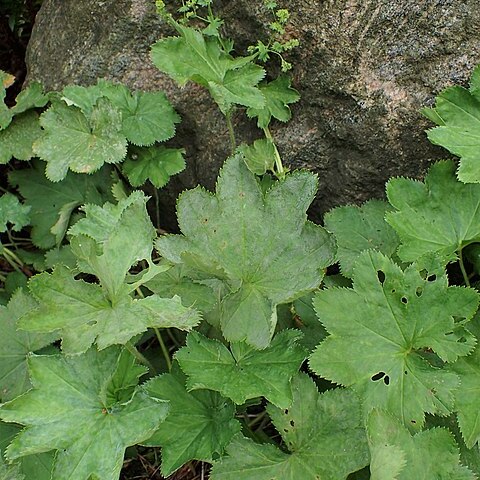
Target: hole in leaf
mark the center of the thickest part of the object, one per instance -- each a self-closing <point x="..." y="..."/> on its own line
<point x="381" y="276"/>
<point x="378" y="376"/>
<point x="419" y="291"/>
<point x="413" y="421"/>
<point x="405" y="372"/>
<point x="393" y="290"/>
<point x="462" y="339"/>
<point x="285" y="430"/>
<point x="404" y="300"/>
<point x="292" y="423"/>
<point x="431" y="278"/>
<point x="423" y="273"/>
<point x="386" y="380"/>
<point x="285" y="411"/>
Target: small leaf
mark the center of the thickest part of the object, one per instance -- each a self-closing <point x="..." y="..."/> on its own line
<point x="31" y="97"/>
<point x="323" y="433"/>
<point x="378" y="338"/>
<point x="259" y="157"/>
<point x="278" y="95"/>
<point x="202" y="60"/>
<point x="147" y="117"/>
<point x="424" y="213"/>
<point x="156" y="164"/>
<point x="457" y="112"/>
<point x="199" y="424"/>
<point x="15" y="346"/>
<point x="12" y="211"/>
<point x="73" y="141"/>
<point x="396" y="455"/>
<point x="91" y="442"/>
<point x="361" y="228"/>
<point x="242" y="372"/>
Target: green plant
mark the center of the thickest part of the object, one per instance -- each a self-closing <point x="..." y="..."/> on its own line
<point x="288" y="371"/>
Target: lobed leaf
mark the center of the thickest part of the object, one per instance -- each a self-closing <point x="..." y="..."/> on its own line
<point x="12" y="211"/>
<point x="379" y="338"/>
<point x="52" y="204"/>
<point x="357" y="229"/>
<point x="202" y="60"/>
<point x="440" y="215"/>
<point x="15" y="346"/>
<point x="396" y="455"/>
<point x="18" y="139"/>
<point x="323" y="434"/>
<point x="73" y="141"/>
<point x="198" y="426"/>
<point x="259" y="157"/>
<point x="242" y="373"/>
<point x="93" y="441"/>
<point x="156" y="164"/>
<point x="260" y="246"/>
<point x="83" y="315"/>
<point x="457" y="112"/>
<point x="278" y="95"/>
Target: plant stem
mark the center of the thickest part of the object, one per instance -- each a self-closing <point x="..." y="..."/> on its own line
<point x="140" y="357"/>
<point x="278" y="159"/>
<point x="462" y="267"/>
<point x="231" y="132"/>
<point x="157" y="210"/>
<point x="166" y="355"/>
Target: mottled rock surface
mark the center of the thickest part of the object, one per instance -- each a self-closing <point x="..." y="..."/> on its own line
<point x="364" y="69"/>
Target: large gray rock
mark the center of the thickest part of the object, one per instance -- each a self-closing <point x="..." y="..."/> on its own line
<point x="364" y="70"/>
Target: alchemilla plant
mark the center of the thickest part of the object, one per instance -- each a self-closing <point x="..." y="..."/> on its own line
<point x="233" y="342"/>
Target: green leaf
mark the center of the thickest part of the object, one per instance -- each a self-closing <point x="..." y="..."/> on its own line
<point x="396" y="455"/>
<point x="323" y="434"/>
<point x="85" y="98"/>
<point x="308" y="323"/>
<point x="239" y="86"/>
<point x="467" y="402"/>
<point x="201" y="59"/>
<point x="361" y="228"/>
<point x="84" y="315"/>
<point x="379" y="337"/>
<point x="12" y="211"/>
<point x="156" y="164"/>
<point x="6" y="80"/>
<point x="10" y="472"/>
<point x="176" y="282"/>
<point x="278" y="95"/>
<point x="34" y="467"/>
<point x="260" y="246"/>
<point x="457" y="112"/>
<point x="93" y="440"/>
<point x="147" y="117"/>
<point x="17" y="140"/>
<point x="259" y="157"/>
<point x="73" y="141"/>
<point x="440" y="215"/>
<point x="105" y="231"/>
<point x="198" y="426"/>
<point x="15" y="346"/>
<point x="51" y="202"/>
<point x="242" y="373"/>
<point x="31" y="97"/>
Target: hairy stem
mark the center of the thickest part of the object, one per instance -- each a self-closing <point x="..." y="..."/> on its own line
<point x="231" y="133"/>
<point x="164" y="348"/>
<point x="462" y="267"/>
<point x="140" y="357"/>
